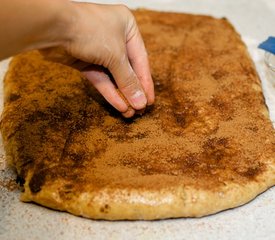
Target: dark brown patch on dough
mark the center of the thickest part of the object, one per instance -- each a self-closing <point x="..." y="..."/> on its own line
<point x="37" y="181"/>
<point x="105" y="208"/>
<point x="13" y="97"/>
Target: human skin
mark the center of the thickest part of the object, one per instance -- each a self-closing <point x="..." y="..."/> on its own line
<point x="92" y="37"/>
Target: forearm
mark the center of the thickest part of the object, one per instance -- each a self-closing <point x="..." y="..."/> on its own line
<point x="33" y="24"/>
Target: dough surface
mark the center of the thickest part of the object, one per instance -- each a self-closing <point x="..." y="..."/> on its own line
<point x="206" y="145"/>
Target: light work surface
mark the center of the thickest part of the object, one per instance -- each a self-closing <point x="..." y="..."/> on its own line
<point x="254" y="20"/>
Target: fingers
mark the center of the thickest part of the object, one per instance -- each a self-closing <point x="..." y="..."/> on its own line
<point x="127" y="81"/>
<point x="139" y="61"/>
<point x="129" y="113"/>
<point x="95" y="74"/>
<point x="101" y="81"/>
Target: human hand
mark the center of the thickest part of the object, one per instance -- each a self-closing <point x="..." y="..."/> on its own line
<point x="108" y="36"/>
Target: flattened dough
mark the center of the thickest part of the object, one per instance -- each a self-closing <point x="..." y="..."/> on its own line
<point x="206" y="145"/>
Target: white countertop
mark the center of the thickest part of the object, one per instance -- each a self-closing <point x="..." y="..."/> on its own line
<point x="254" y="20"/>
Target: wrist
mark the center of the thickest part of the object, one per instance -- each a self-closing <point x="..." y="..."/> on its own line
<point x="55" y="29"/>
<point x="64" y="24"/>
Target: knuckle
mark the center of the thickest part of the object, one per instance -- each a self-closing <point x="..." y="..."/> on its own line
<point x="113" y="62"/>
<point x="129" y="83"/>
<point x="123" y="8"/>
<point x="126" y="12"/>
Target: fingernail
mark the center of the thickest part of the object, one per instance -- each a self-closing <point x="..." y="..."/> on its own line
<point x="138" y="100"/>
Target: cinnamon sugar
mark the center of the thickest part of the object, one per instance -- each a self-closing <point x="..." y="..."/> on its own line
<point x="205" y="129"/>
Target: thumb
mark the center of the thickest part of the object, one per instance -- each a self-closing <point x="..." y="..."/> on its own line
<point x="127" y="82"/>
